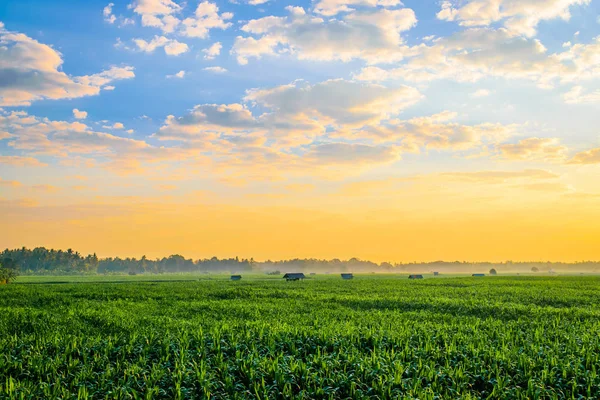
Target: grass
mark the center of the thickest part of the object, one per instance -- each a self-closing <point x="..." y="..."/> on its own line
<point x="372" y="337"/>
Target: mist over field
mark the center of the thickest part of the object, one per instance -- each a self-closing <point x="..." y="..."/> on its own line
<point x="42" y="261"/>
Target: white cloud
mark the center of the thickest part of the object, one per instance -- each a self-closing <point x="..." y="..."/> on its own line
<point x="548" y="149"/>
<point x="103" y="78"/>
<point x="578" y="95"/>
<point x="19" y="161"/>
<point x="175" y="48"/>
<point x="213" y="51"/>
<point x="333" y="7"/>
<point x="481" y="93"/>
<point x="180" y="75"/>
<point x="108" y="15"/>
<point x="295" y="114"/>
<point x="30" y="71"/>
<point x="344" y="153"/>
<point x="374" y="36"/>
<point x="158" y="14"/>
<point x="206" y="17"/>
<point x="79" y="114"/>
<point x="66" y="141"/>
<point x="520" y="17"/>
<point x="218" y="70"/>
<point x="586" y="157"/>
<point x="171" y="47"/>
<point x="118" y="125"/>
<point x="477" y="53"/>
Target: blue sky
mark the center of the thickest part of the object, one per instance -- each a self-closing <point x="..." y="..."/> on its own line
<point x="87" y="41"/>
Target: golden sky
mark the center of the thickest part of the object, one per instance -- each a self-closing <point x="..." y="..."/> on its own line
<point x="453" y="130"/>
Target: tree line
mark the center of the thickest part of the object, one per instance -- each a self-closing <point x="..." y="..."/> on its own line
<point x="49" y="261"/>
<point x="56" y="262"/>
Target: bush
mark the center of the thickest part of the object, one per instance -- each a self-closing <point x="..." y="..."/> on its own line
<point x="493" y="271"/>
<point x="7" y="274"/>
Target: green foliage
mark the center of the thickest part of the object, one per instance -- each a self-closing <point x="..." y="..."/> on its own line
<point x="373" y="337"/>
<point x="42" y="261"/>
<point x="8" y="270"/>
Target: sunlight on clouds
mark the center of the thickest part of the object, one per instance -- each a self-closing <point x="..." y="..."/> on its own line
<point x="534" y="148"/>
<point x="213" y="51"/>
<point x="520" y="17"/>
<point x="171" y="47"/>
<point x="29" y="71"/>
<point x="586" y="157"/>
<point x="477" y="53"/>
<point x="374" y="36"/>
<point x="578" y="95"/>
<point x="20" y="161"/>
<point x="79" y="114"/>
<point x="205" y="18"/>
<point x="333" y="7"/>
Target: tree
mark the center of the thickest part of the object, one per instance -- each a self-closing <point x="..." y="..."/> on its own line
<point x="534" y="269"/>
<point x="8" y="270"/>
<point x="493" y="271"/>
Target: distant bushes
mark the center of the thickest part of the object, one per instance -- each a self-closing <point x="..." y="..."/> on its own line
<point x="42" y="261"/>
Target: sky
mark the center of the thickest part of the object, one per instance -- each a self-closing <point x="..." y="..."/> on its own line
<point x="378" y="129"/>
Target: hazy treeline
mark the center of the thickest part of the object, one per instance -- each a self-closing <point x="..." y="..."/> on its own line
<point x="49" y="261"/>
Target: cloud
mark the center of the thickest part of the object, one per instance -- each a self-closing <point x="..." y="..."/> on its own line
<point x="158" y="13"/>
<point x="30" y="71"/>
<point x="374" y="36"/>
<point x="586" y="157"/>
<point x="9" y="183"/>
<point x="481" y="93"/>
<point x="105" y="77"/>
<point x="205" y="18"/>
<point x="180" y="75"/>
<point x="578" y="95"/>
<point x="496" y="177"/>
<point x="108" y="15"/>
<point x="69" y="141"/>
<point x="434" y="132"/>
<point x="477" y="53"/>
<point x="118" y="125"/>
<point x="171" y="47"/>
<point x="213" y="51"/>
<point x="553" y="187"/>
<point x="340" y="101"/>
<point x="79" y="114"/>
<point x="18" y="161"/>
<point x="295" y="113"/>
<point x="520" y="17"/>
<point x="217" y="70"/>
<point x="166" y="188"/>
<point x="46" y="188"/>
<point x="534" y="148"/>
<point x="299" y="187"/>
<point x="344" y="153"/>
<point x="333" y="7"/>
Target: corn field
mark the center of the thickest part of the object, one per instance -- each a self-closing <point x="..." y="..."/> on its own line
<point x="323" y="338"/>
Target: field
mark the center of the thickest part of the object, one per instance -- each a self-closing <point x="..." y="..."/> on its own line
<point x="372" y="337"/>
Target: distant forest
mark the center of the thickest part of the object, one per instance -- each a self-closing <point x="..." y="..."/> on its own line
<point x="44" y="261"/>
